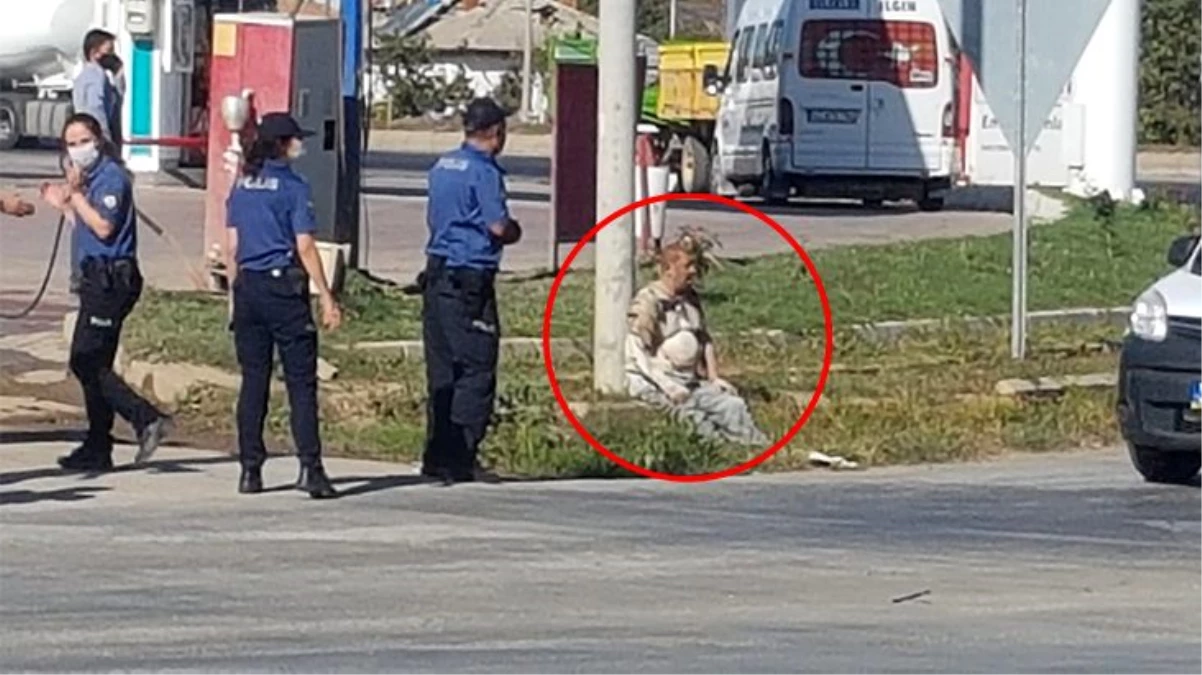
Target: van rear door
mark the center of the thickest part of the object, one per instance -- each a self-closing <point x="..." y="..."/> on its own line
<point x="831" y="130"/>
<point x="910" y="100"/>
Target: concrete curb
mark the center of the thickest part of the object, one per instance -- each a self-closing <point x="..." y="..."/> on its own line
<point x="170" y="382"/>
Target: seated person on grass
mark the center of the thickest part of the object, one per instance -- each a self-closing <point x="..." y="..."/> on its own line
<point x="670" y="358"/>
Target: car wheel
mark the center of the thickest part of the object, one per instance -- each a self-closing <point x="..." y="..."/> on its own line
<point x="1157" y="466"/>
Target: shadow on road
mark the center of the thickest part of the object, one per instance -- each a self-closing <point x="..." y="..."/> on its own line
<point x="370" y="484"/>
<point x="74" y="494"/>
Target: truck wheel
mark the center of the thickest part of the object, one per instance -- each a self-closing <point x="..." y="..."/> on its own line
<point x="1157" y="466"/>
<point x="694" y="166"/>
<point x="10" y="125"/>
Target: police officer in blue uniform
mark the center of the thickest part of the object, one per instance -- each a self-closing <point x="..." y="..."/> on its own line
<point x="469" y="223"/>
<point x="273" y="256"/>
<point x="98" y="197"/>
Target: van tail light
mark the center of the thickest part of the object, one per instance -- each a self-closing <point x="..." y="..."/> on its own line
<point x="949" y="121"/>
<point x="784" y="117"/>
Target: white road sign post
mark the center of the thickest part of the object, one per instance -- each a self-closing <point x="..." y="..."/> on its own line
<point x="1018" y="268"/>
<point x="1022" y="62"/>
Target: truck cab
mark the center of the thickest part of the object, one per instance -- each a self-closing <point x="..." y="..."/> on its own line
<point x="839" y="99"/>
<point x="1159" y="403"/>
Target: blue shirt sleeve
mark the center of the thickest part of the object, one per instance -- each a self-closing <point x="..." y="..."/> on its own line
<point x="491" y="196"/>
<point x="304" y="219"/>
<point x="112" y="196"/>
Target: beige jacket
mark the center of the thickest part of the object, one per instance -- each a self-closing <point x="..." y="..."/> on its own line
<point x="667" y="338"/>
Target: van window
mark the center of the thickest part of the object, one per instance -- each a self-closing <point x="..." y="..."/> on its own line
<point x="761" y="46"/>
<point x="744" y="48"/>
<point x="903" y="53"/>
<point x="774" y="48"/>
<point x="731" y="57"/>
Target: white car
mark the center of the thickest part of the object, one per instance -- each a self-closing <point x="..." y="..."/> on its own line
<point x="1160" y="372"/>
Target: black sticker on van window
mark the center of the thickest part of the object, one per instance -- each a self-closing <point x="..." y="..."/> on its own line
<point x="832" y="115"/>
<point x="834" y="4"/>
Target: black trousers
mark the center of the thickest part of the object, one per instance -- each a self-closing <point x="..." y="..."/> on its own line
<point x="272" y="311"/>
<point x="108" y="291"/>
<point x="461" y="334"/>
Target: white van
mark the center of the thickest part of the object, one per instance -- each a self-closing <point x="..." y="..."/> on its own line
<point x="837" y="98"/>
<point x="1160" y="372"/>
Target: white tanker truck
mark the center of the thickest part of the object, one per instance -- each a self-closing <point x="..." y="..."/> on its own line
<point x="41" y="50"/>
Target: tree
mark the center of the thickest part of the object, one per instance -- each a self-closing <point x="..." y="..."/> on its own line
<point x="1169" y="89"/>
<point x="651" y="19"/>
<point x="415" y="89"/>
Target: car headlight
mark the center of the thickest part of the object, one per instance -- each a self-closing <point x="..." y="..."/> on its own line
<point x="1150" y="317"/>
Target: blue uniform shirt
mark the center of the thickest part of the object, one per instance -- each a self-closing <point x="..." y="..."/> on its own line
<point x="109" y="190"/>
<point x="268" y="211"/>
<point x="466" y="195"/>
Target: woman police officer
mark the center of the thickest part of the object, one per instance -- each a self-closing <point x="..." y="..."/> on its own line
<point x="98" y="197"/>
<point x="272" y="257"/>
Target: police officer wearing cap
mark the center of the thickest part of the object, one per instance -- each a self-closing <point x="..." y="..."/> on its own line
<point x="272" y="257"/>
<point x="98" y="197"/>
<point x="469" y="223"/>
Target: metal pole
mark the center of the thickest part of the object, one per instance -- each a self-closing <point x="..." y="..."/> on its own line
<point x="527" y="60"/>
<point x="671" y="18"/>
<point x="616" y="118"/>
<point x="1018" y="319"/>
<point x="346" y="229"/>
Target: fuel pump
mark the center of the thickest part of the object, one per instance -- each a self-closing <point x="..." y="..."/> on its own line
<point x="271" y="62"/>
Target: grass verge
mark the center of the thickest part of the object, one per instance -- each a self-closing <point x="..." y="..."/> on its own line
<point x="1090" y="258"/>
<point x="927" y="398"/>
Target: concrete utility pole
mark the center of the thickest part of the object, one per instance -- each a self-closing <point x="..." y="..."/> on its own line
<point x="528" y="60"/>
<point x="616" y="119"/>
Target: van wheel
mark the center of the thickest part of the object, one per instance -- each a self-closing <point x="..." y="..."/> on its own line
<point x="1157" y="466"/>
<point x="773" y="190"/>
<point x="10" y="125"/>
<point x="930" y="204"/>
<point x="695" y="164"/>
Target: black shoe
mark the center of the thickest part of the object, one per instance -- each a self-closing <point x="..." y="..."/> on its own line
<point x="313" y="479"/>
<point x="251" y="482"/>
<point x="150" y="438"/>
<point x="438" y="475"/>
<point x="85" y="458"/>
<point x="448" y="477"/>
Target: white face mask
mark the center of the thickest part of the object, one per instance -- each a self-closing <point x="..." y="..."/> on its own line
<point x="84" y="156"/>
<point x="296" y="149"/>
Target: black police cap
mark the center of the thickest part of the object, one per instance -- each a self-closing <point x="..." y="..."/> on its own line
<point x="277" y="125"/>
<point x="481" y="114"/>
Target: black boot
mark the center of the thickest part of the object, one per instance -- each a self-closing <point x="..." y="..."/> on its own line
<point x="313" y="479"/>
<point x="251" y="482"/>
<point x="88" y="458"/>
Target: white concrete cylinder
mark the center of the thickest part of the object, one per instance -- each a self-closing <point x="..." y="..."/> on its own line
<point x="1106" y="85"/>
<point x="658" y="184"/>
<point x="640" y="193"/>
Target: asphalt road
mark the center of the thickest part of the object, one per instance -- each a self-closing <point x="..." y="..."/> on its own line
<point x="388" y="172"/>
<point x="1054" y="563"/>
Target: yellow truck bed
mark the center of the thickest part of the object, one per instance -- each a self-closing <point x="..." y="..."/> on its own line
<point x="681" y="91"/>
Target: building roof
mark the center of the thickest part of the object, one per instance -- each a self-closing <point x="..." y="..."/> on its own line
<point x="500" y="25"/>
